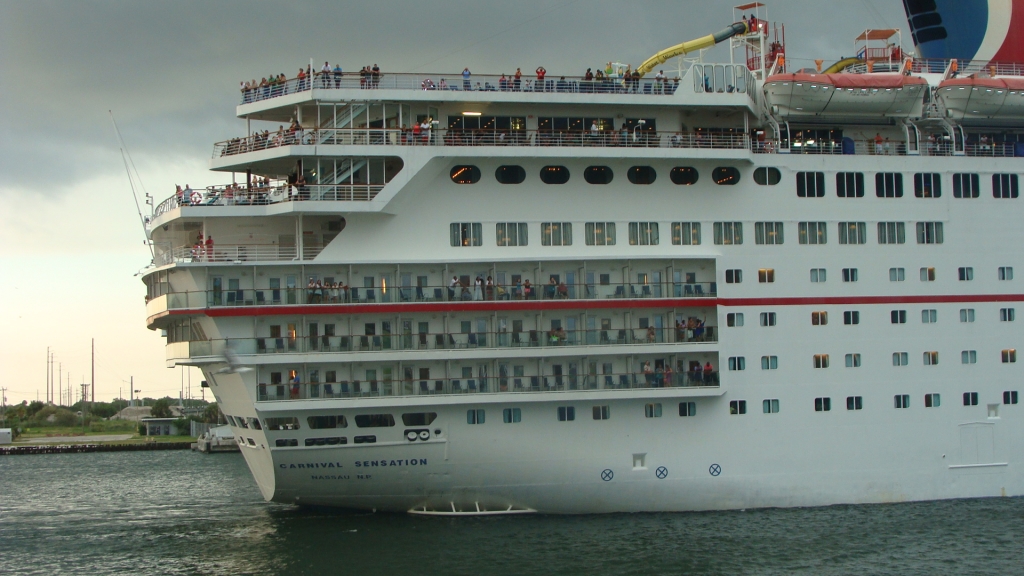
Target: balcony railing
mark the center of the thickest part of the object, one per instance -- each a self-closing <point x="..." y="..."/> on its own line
<point x="486" y="385"/>
<point x="490" y="137"/>
<point x="455" y="82"/>
<point x="330" y="295"/>
<point x="234" y="254"/>
<point x="263" y="195"/>
<point x="890" y="148"/>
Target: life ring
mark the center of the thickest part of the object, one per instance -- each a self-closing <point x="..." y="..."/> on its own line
<point x="195" y="197"/>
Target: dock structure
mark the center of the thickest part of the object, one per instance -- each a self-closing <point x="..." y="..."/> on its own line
<point x="77" y="448"/>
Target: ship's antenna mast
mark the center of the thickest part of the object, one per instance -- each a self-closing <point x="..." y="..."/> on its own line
<point x="126" y="157"/>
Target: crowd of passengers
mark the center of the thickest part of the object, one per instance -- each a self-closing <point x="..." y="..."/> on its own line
<point x="238" y="195"/>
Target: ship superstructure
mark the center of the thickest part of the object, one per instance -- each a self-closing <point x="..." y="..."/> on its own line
<point x="741" y="285"/>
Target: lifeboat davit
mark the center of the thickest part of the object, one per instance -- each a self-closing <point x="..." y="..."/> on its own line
<point x="882" y="94"/>
<point x="966" y="98"/>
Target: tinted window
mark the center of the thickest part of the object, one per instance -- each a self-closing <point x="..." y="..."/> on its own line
<point x="510" y="174"/>
<point x="317" y="422"/>
<point x="375" y="420"/>
<point x="598" y="175"/>
<point x="642" y="175"/>
<point x="554" y="174"/>
<point x="465" y="174"/>
<point x="725" y="176"/>
<point x="418" y="418"/>
<point x="684" y="175"/>
<point x="767" y="176"/>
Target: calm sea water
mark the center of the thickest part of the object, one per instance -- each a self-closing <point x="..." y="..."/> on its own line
<point x="187" y="513"/>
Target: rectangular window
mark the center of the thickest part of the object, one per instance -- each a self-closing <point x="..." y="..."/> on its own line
<point x="1004" y="186"/>
<point x="1007" y="314"/>
<point x="969" y="357"/>
<point x="643" y="234"/>
<point x="566" y="413"/>
<point x="851" y="317"/>
<point x="812" y="233"/>
<point x="733" y="276"/>
<point x="810" y="184"/>
<point x="511" y="233"/>
<point x="728" y="233"/>
<point x="900" y="359"/>
<point x="928" y="274"/>
<point x="600" y="233"/>
<point x="889" y="185"/>
<point x="854" y="403"/>
<point x="769" y="362"/>
<point x="819" y="318"/>
<point x="967" y="314"/>
<point x="512" y="415"/>
<point x="901" y="401"/>
<point x="929" y="316"/>
<point x="737" y="363"/>
<point x="687" y="409"/>
<point x="1009" y="355"/>
<point x="850" y="184"/>
<point x="770" y="406"/>
<point x="927" y="185"/>
<point x="767" y="318"/>
<point x="474" y="416"/>
<point x="965" y="273"/>
<point x="849" y="274"/>
<point x="898" y="316"/>
<point x="853" y="232"/>
<point x="686" y="233"/>
<point x="897" y="274"/>
<point x="466" y="234"/>
<point x="734" y="319"/>
<point x="817" y="274"/>
<point x="821" y="360"/>
<point x="853" y="360"/>
<point x="929" y="232"/>
<point x="765" y="275"/>
<point x="601" y="412"/>
<point x="892" y="233"/>
<point x="970" y="398"/>
<point x="822" y="404"/>
<point x="966" y="185"/>
<point x="931" y="358"/>
<point x="932" y="400"/>
<point x="556" y="234"/>
<point x="1006" y="272"/>
<point x="652" y="410"/>
<point x="738" y="407"/>
<point x="768" y="233"/>
<point x="1010" y="397"/>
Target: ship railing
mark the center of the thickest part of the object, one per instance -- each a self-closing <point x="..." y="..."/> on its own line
<point x="623" y="138"/>
<point x="486" y="385"/>
<point x="235" y="253"/>
<point x="983" y="68"/>
<point x="238" y="195"/>
<point x="454" y="341"/>
<point x="649" y="86"/>
<point x="892" y="148"/>
<point x="403" y="294"/>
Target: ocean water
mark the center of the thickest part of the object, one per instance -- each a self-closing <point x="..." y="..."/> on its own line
<point x="188" y="513"/>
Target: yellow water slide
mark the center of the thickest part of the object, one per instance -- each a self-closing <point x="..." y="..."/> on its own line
<point x="692" y="45"/>
<point x="842" y="64"/>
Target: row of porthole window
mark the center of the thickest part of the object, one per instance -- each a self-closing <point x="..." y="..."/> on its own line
<point x="900" y="401"/>
<point x="899" y="359"/>
<point x="890" y="184"/>
<point x="642" y="175"/>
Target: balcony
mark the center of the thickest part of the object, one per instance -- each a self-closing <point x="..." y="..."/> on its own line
<point x="234" y="195"/>
<point x="233" y="254"/>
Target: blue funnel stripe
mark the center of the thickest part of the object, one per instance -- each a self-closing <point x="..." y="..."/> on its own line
<point x="947" y="28"/>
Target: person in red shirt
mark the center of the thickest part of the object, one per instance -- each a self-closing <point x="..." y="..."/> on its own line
<point x="209" y="248"/>
<point x="518" y="79"/>
<point x="541" y="87"/>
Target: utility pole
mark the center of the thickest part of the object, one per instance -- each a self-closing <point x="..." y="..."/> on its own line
<point x="3" y="415"/>
<point x="93" y="377"/>
<point x="47" y="374"/>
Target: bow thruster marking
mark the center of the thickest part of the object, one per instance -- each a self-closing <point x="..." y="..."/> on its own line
<point x="715" y="469"/>
<point x="607" y="475"/>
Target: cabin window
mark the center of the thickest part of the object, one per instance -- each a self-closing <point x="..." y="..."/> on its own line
<point x="733" y="276"/>
<point x="566" y="413"/>
<point x="854" y="402"/>
<point x="375" y="420"/>
<point x="737" y="407"/>
<point x="598" y="175"/>
<point x="281" y="423"/>
<point x="686" y="233"/>
<point x="466" y="234"/>
<point x="822" y="404"/>
<point x="600" y="233"/>
<point x="556" y="234"/>
<point x="1004" y="186"/>
<point x="927" y="185"/>
<point x="966" y="185"/>
<point x="892" y="233"/>
<point x="687" y="409"/>
<point x="901" y="401"/>
<point x="475" y="416"/>
<point x="318" y="422"/>
<point x="889" y="185"/>
<point x="929" y="232"/>
<point x="418" y="418"/>
<point x="512" y="415"/>
<point x="511" y="233"/>
<point x="810" y="184"/>
<point x="767" y="176"/>
<point x="642" y="175"/>
<point x="728" y="233"/>
<point x="510" y="174"/>
<point x="643" y="234"/>
<point x="853" y="233"/>
<point x="850" y="184"/>
<point x="768" y="233"/>
<point x="725" y="176"/>
<point x="465" y="174"/>
<point x="554" y="174"/>
<point x="684" y="175"/>
<point x="812" y="233"/>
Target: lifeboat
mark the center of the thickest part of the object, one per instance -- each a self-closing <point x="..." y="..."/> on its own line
<point x="966" y="98"/>
<point x="884" y="94"/>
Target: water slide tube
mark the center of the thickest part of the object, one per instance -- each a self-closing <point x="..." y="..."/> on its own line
<point x="690" y="46"/>
<point x="839" y="66"/>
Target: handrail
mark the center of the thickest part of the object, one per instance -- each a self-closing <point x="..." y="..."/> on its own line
<point x="622" y="138"/>
<point x="234" y="253"/>
<point x="894" y="148"/>
<point x="455" y="82"/>
<point x="259" y="195"/>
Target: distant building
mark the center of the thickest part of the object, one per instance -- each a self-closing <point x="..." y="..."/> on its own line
<point x="6" y="436"/>
<point x="160" y="427"/>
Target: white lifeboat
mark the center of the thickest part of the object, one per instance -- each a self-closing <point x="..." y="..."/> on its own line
<point x="967" y="98"/>
<point x="884" y="94"/>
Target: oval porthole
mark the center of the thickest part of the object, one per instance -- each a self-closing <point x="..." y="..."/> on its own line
<point x="725" y="176"/>
<point x="465" y="174"/>
<point x="554" y="174"/>
<point x="684" y="175"/>
<point x="767" y="176"/>
<point x="642" y="175"/>
<point x="510" y="174"/>
<point x="598" y="175"/>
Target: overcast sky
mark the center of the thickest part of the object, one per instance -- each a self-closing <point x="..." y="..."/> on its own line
<point x="170" y="71"/>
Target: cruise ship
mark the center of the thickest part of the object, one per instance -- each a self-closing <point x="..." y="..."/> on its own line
<point x="688" y="286"/>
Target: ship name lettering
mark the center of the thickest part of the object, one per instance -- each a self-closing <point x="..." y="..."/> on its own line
<point x="330" y="477"/>
<point x="382" y="463"/>
<point x="311" y="465"/>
